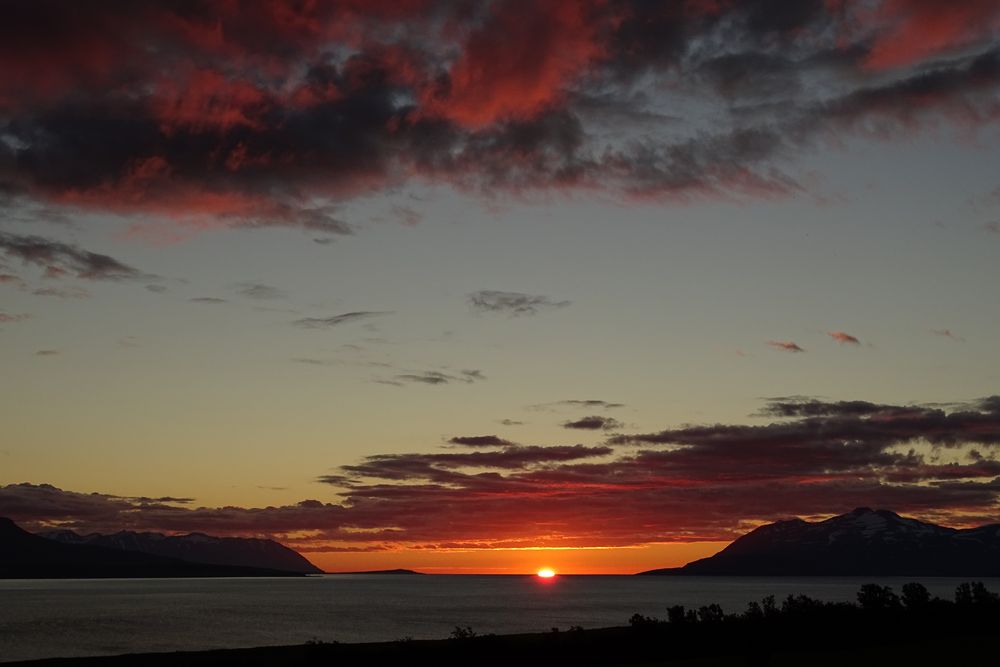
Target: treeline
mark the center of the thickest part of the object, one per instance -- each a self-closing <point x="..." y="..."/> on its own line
<point x="972" y="600"/>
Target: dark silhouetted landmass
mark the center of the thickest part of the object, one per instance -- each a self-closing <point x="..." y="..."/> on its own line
<point x="396" y="571"/>
<point x="864" y="542"/>
<point x="27" y="556"/>
<point x="198" y="548"/>
<point x="883" y="628"/>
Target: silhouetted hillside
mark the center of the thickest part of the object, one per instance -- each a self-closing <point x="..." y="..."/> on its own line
<point x="199" y="548"/>
<point x="27" y="556"/>
<point x="396" y="571"/>
<point x="864" y="542"/>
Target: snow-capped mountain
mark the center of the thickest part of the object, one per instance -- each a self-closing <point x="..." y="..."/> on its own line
<point x="863" y="542"/>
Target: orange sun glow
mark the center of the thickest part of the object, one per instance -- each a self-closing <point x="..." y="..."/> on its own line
<point x="546" y="573"/>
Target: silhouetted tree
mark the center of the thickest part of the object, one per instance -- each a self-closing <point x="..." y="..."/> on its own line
<point x="915" y="596"/>
<point x="754" y="612"/>
<point x="975" y="593"/>
<point x="675" y="614"/>
<point x="711" y="614"/>
<point x="873" y="597"/>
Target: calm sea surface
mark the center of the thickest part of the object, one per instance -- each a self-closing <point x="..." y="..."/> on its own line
<point x="51" y="618"/>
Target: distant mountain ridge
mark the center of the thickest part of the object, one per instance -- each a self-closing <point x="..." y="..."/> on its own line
<point x="27" y="556"/>
<point x="197" y="547"/>
<point x="863" y="542"/>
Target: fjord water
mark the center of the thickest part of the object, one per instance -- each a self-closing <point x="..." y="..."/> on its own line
<point x="53" y="618"/>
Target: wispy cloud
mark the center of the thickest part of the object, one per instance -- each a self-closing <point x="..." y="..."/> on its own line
<point x="260" y="291"/>
<point x="947" y="333"/>
<point x="514" y="304"/>
<point x="785" y="346"/>
<point x="594" y="423"/>
<point x="58" y="259"/>
<point x="337" y="320"/>
<point x="211" y="300"/>
<point x="467" y="376"/>
<point x="843" y="337"/>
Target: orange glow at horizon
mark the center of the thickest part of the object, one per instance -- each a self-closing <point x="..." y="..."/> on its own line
<point x="614" y="560"/>
<point x="546" y="573"/>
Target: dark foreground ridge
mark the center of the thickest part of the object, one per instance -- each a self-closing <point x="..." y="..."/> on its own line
<point x="27" y="556"/>
<point x="882" y="628"/>
<point x="864" y="542"/>
<point x="198" y="548"/>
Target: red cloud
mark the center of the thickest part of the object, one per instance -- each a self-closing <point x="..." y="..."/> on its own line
<point x="843" y="337"/>
<point x="520" y="61"/>
<point x="692" y="483"/>
<point x="785" y="345"/>
<point x="917" y="29"/>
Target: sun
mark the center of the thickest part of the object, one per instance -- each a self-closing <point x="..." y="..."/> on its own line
<point x="546" y="573"/>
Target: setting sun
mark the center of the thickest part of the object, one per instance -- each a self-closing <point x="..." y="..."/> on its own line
<point x="546" y="573"/>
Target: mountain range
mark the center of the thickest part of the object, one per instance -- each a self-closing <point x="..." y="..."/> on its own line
<point x="24" y="555"/>
<point x="196" y="547"/>
<point x="863" y="542"/>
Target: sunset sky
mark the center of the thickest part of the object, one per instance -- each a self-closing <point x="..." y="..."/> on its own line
<point x="486" y="286"/>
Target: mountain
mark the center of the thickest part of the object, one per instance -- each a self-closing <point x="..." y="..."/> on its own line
<point x="27" y="556"/>
<point x="196" y="547"/>
<point x="864" y="542"/>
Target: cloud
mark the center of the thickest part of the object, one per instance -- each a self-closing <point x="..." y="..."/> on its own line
<point x="211" y="300"/>
<point x="591" y="403"/>
<point x="68" y="292"/>
<point x="153" y="114"/>
<point x="58" y="259"/>
<point x="992" y="227"/>
<point x="947" y="333"/>
<point x="467" y="376"/>
<point x="46" y="353"/>
<point x="511" y="422"/>
<point x="480" y="441"/>
<point x="594" y="423"/>
<point x="6" y="318"/>
<point x="512" y="303"/>
<point x="686" y="483"/>
<point x="260" y="291"/>
<point x="336" y="320"/>
<point x="785" y="345"/>
<point x="843" y="337"/>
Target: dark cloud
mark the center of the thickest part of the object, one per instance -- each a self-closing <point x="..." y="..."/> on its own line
<point x="511" y="422"/>
<point x="480" y="441"/>
<point x="335" y="320"/>
<point x="467" y="376"/>
<point x="149" y="111"/>
<point x="58" y="259"/>
<point x="688" y="483"/>
<point x="512" y="303"/>
<point x="211" y="300"/>
<point x="592" y="403"/>
<point x="46" y="353"/>
<point x="594" y="423"/>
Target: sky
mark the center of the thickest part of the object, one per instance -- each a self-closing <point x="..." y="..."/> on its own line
<point x="486" y="286"/>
